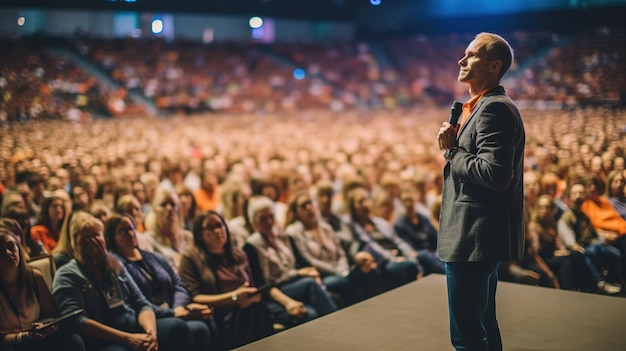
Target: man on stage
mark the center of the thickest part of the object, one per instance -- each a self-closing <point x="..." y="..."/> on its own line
<point x="481" y="221"/>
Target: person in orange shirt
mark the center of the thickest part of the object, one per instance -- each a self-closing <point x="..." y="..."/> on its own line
<point x="208" y="196"/>
<point x="48" y="227"/>
<point x="611" y="227"/>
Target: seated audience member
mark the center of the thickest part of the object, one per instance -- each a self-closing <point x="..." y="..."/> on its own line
<point x="141" y="194"/>
<point x="217" y="274"/>
<point x="164" y="226"/>
<point x="235" y="193"/>
<point x="24" y="301"/>
<point x="48" y="226"/>
<point x="129" y="205"/>
<point x="615" y="191"/>
<point x="240" y="226"/>
<point x="559" y="268"/>
<point x="188" y="206"/>
<point x="12" y="199"/>
<point x="99" y="209"/>
<point x="417" y="230"/>
<point x="156" y="279"/>
<point x="32" y="248"/>
<point x="13" y="227"/>
<point x="383" y="206"/>
<point x="80" y="197"/>
<point x="316" y="242"/>
<point x="578" y="234"/>
<point x="608" y="223"/>
<point x="549" y="184"/>
<point x="324" y="197"/>
<point x="268" y="187"/>
<point x="298" y="296"/>
<point x="63" y="252"/>
<point x="389" y="196"/>
<point x="208" y="195"/>
<point x="396" y="257"/>
<point x="116" y="315"/>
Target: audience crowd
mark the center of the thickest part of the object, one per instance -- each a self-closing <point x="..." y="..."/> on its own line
<point x="214" y="230"/>
<point x="551" y="71"/>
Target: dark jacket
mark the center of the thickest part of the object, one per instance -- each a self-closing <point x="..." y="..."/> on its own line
<point x="483" y="192"/>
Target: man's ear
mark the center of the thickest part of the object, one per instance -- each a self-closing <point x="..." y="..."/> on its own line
<point x="495" y="65"/>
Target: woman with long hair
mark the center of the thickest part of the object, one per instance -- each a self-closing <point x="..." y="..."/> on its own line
<point x="188" y="205"/>
<point x="48" y="227"/>
<point x="160" y="284"/>
<point x="24" y="300"/>
<point x="615" y="191"/>
<point x="217" y="273"/>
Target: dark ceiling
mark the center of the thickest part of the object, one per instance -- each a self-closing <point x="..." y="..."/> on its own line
<point x="388" y="17"/>
<point x="343" y="10"/>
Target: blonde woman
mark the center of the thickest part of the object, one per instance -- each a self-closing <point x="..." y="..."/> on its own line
<point x="116" y="315"/>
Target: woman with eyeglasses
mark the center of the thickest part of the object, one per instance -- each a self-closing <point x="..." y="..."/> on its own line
<point x="156" y="279"/>
<point x="116" y="315"/>
<point x="24" y="301"/>
<point x="164" y="225"/>
<point x="217" y="273"/>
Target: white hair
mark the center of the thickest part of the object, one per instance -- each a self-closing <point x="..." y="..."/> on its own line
<point x="258" y="203"/>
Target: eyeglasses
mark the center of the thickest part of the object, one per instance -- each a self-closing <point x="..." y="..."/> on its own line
<point x="212" y="230"/>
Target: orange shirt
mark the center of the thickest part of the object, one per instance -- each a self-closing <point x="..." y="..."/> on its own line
<point x="41" y="233"/>
<point x="468" y="107"/>
<point x="206" y="202"/>
<point x="603" y="216"/>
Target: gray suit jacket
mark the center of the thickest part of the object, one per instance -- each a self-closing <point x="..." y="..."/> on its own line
<point x="483" y="192"/>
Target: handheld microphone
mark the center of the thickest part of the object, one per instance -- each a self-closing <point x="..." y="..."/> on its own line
<point x="455" y="113"/>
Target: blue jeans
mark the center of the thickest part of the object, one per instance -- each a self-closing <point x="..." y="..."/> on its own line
<point x="306" y="290"/>
<point x="431" y="262"/>
<point x="399" y="273"/>
<point x="200" y="334"/>
<point x="60" y="340"/>
<point x="599" y="256"/>
<point x="172" y="334"/>
<point x="472" y="305"/>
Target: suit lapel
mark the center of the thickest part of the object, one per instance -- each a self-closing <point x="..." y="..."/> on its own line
<point x="476" y="109"/>
<point x="496" y="91"/>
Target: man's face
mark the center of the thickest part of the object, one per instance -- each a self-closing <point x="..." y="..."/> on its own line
<point x="80" y="196"/>
<point x="577" y="195"/>
<point x="474" y="66"/>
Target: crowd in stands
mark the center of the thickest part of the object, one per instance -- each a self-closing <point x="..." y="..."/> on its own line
<point x="181" y="77"/>
<point x="215" y="230"/>
<point x="38" y="85"/>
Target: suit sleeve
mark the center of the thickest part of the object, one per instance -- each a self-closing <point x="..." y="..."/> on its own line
<point x="492" y="165"/>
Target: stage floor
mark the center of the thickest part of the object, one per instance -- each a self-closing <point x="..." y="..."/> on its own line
<point x="415" y="317"/>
